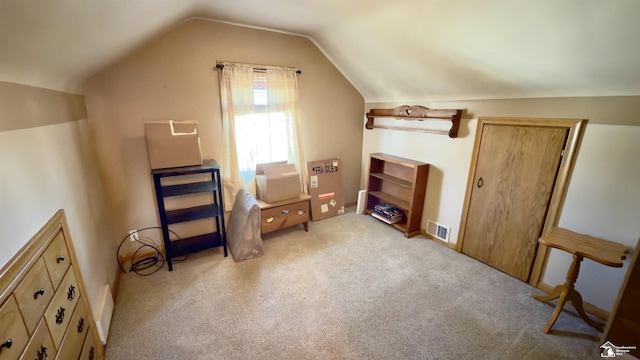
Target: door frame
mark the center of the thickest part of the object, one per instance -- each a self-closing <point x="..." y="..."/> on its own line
<point x="576" y="130"/>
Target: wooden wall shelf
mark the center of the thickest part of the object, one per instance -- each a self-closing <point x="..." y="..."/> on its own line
<point x="416" y="112"/>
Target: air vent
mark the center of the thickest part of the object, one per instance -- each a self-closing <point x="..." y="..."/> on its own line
<point x="438" y="231"/>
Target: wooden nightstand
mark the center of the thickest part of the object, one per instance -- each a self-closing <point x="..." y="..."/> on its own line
<point x="284" y="214"/>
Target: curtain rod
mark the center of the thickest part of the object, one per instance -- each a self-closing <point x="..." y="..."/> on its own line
<point x="257" y="67"/>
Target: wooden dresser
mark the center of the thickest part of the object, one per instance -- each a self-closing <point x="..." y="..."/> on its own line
<point x="44" y="311"/>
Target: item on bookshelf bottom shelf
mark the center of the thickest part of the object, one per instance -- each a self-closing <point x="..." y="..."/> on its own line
<point x="385" y="219"/>
<point x="388" y="211"/>
<point x="388" y="216"/>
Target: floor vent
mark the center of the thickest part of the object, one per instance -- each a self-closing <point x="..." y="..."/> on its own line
<point x="438" y="231"/>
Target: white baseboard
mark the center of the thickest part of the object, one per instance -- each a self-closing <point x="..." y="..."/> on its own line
<point x="105" y="311"/>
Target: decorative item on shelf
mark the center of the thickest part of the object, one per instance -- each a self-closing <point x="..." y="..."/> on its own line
<point x="416" y="112"/>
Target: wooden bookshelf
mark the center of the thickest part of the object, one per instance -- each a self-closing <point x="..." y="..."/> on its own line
<point x="400" y="182"/>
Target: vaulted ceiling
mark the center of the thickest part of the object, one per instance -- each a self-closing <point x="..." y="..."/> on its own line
<point x="399" y="50"/>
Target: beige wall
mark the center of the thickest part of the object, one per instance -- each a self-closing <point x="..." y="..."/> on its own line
<point x="603" y="197"/>
<point x="173" y="78"/>
<point x="48" y="163"/>
<point x="27" y="107"/>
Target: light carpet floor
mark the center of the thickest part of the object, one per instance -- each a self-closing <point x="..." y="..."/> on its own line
<point x="350" y="288"/>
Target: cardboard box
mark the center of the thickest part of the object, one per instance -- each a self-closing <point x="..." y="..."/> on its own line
<point x="173" y="143"/>
<point x="325" y="188"/>
<point x="277" y="181"/>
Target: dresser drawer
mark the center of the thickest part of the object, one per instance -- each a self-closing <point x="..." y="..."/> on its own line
<point x="33" y="295"/>
<point x="284" y="216"/>
<point x="61" y="309"/>
<point x="40" y="346"/>
<point x="73" y="339"/>
<point x="89" y="351"/>
<point x="57" y="260"/>
<point x="13" y="333"/>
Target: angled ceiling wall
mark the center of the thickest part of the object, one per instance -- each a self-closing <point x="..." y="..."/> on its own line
<point x="391" y="51"/>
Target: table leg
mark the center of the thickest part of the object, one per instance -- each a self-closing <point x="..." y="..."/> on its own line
<point x="576" y="299"/>
<point x="567" y="292"/>
<point x="557" y="311"/>
<point x="553" y="294"/>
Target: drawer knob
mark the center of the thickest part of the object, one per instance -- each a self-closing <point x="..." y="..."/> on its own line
<point x="60" y="316"/>
<point x="81" y="325"/>
<point x="71" y="293"/>
<point x="61" y="258"/>
<point x="270" y="219"/>
<point x="285" y="212"/>
<point x="42" y="353"/>
<point x="300" y="212"/>
<point x="7" y="344"/>
<point x="39" y="292"/>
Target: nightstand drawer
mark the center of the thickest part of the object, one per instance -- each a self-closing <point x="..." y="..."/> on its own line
<point x="61" y="309"/>
<point x="33" y="295"/>
<point x="13" y="333"/>
<point x="284" y="216"/>
<point x="57" y="260"/>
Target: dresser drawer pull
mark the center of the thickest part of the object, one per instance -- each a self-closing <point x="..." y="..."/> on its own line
<point x="60" y="316"/>
<point x="61" y="258"/>
<point x="91" y="353"/>
<point x="81" y="325"/>
<point x="285" y="212"/>
<point x="300" y="212"/>
<point x="42" y="353"/>
<point x="270" y="219"/>
<point x="39" y="292"/>
<point x="71" y="293"/>
<point x="7" y="344"/>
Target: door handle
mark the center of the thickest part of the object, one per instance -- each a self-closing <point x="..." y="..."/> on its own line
<point x="480" y="182"/>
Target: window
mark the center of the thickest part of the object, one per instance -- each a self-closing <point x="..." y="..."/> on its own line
<point x="260" y="123"/>
<point x="261" y="136"/>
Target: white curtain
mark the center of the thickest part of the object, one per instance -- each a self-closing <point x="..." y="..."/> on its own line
<point x="259" y="123"/>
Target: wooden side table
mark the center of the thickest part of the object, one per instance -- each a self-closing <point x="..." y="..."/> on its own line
<point x="284" y="214"/>
<point x="605" y="252"/>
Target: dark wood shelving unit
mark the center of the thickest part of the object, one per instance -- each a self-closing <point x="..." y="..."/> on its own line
<point x="215" y="210"/>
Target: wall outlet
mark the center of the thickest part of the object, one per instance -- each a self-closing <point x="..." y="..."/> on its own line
<point x="133" y="235"/>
